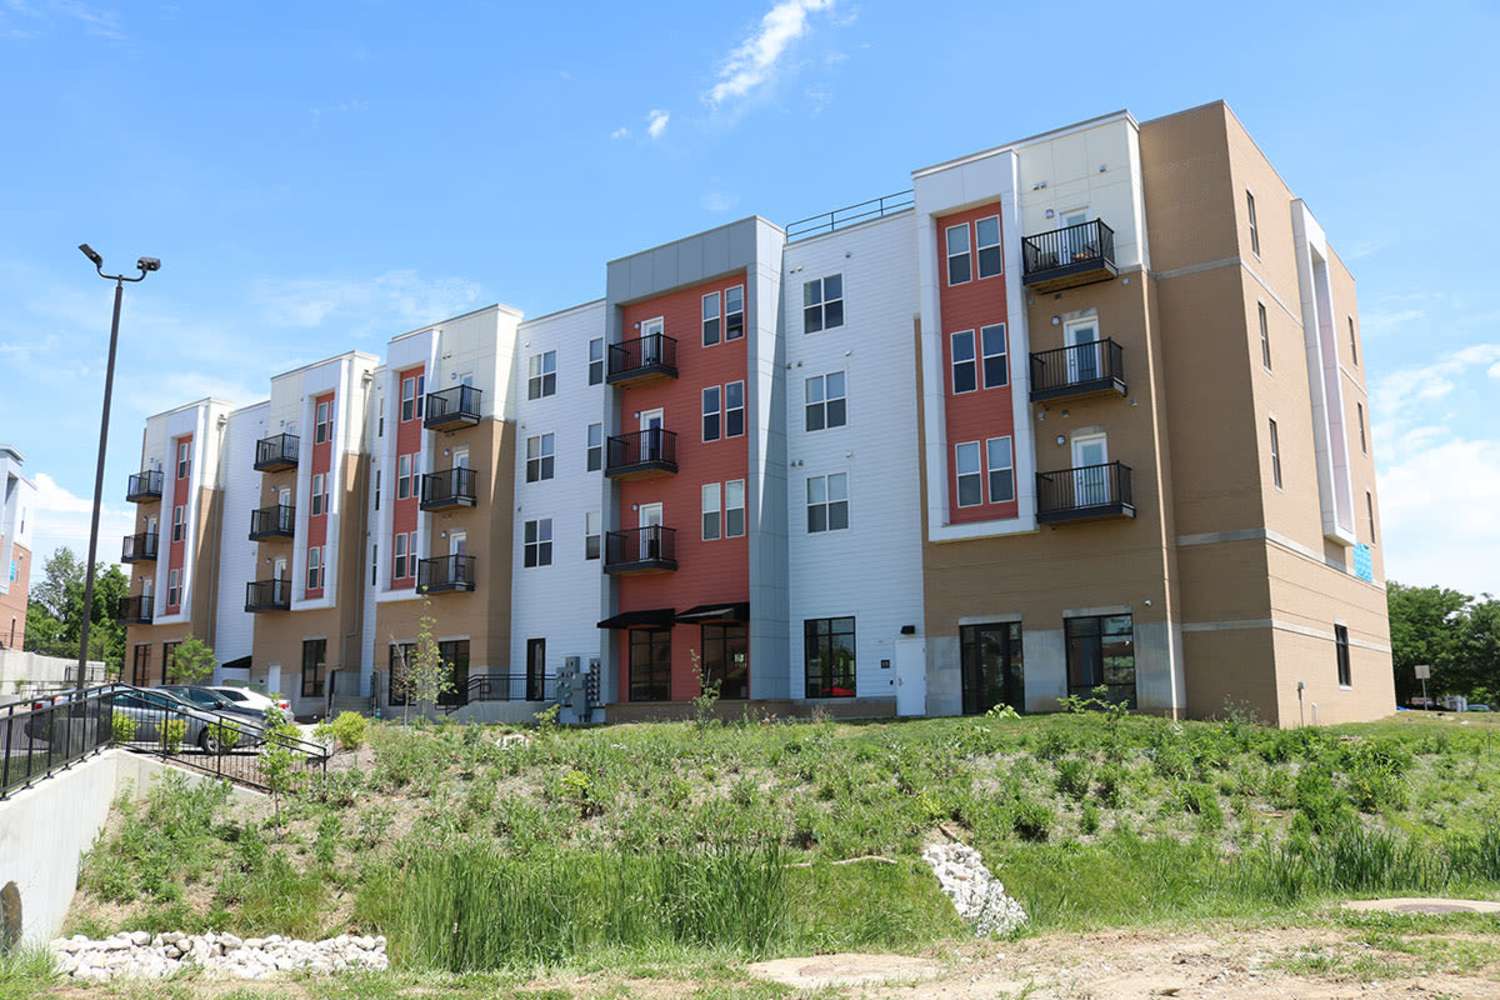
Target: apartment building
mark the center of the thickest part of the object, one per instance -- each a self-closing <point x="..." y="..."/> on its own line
<point x="17" y="504"/>
<point x="1081" y="412"/>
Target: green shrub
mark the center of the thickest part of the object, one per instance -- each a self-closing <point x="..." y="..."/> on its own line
<point x="350" y="730"/>
<point x="1073" y="777"/>
<point x="122" y="727"/>
<point x="1113" y="781"/>
<point x="1031" y="820"/>
<point x="173" y="732"/>
<point x="1202" y="801"/>
<point x="1089" y="820"/>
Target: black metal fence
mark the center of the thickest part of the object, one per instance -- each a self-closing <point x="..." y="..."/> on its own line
<point x="508" y="687"/>
<point x="456" y="404"/>
<point x="1081" y="365"/>
<point x="144" y="485"/>
<point x="135" y="610"/>
<point x="1086" y="488"/>
<point x="1069" y="247"/>
<point x="453" y="572"/>
<point x="655" y="351"/>
<point x="268" y="595"/>
<point x="653" y="445"/>
<point x="139" y="547"/>
<point x="277" y="452"/>
<point x="653" y="545"/>
<point x="449" y="488"/>
<point x="270" y="522"/>
<point x="849" y="215"/>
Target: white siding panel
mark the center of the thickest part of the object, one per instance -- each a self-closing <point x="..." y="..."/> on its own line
<point x="234" y="630"/>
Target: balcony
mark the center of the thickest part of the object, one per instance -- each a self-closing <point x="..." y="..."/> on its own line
<point x="452" y="408"/>
<point x="652" y="549"/>
<point x="277" y="521"/>
<point x="268" y="595"/>
<point x="445" y="573"/>
<point x="277" y="453"/>
<point x="1068" y="257"/>
<point x="642" y="455"/>
<point x="644" y="359"/>
<point x="144" y="487"/>
<point x="1087" y="493"/>
<point x="449" y="489"/>
<point x="139" y="548"/>
<point x="1081" y="370"/>
<point x="134" y="610"/>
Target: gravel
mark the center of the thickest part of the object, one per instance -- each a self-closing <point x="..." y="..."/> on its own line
<point x="139" y="955"/>
<point x="977" y="895"/>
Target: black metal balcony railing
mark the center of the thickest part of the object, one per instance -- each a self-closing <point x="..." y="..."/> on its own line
<point x="277" y="453"/>
<point x="641" y="550"/>
<point x="139" y="548"/>
<point x="641" y="452"/>
<point x="1085" y="493"/>
<point x="268" y="595"/>
<point x="135" y="610"/>
<point x="276" y="521"/>
<point x="1079" y="370"/>
<point x="449" y="488"/>
<point x="649" y="357"/>
<point x="144" y="486"/>
<point x="505" y="687"/>
<point x="445" y="573"/>
<point x="1073" y="255"/>
<point x="457" y="406"/>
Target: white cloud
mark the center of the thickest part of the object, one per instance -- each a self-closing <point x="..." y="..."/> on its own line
<point x="1407" y="394"/>
<point x="620" y="133"/>
<point x="1376" y="322"/>
<point x="718" y="201"/>
<point x="62" y="521"/>
<point x="755" y="61"/>
<point x="656" y="122"/>
<point x="1437" y="507"/>
<point x="390" y="302"/>
<point x="96" y="21"/>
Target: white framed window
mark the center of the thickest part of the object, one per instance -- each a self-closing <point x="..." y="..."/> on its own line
<point x="537" y="543"/>
<point x="734" y="312"/>
<point x="398" y="562"/>
<point x="595" y="447"/>
<point x="1254" y="225"/>
<point x="828" y="502"/>
<point x="823" y="303"/>
<point x="734" y="409"/>
<point x="712" y="513"/>
<point x="1275" y="454"/>
<point x="826" y="406"/>
<point x="711" y="319"/>
<point x="324" y="424"/>
<point x="314" y="567"/>
<point x="1359" y="418"/>
<point x="540" y="457"/>
<point x="179" y="522"/>
<point x="542" y="375"/>
<point x="319" y="494"/>
<point x="591" y="534"/>
<point x="734" y="508"/>
<point x="184" y="459"/>
<point x="966" y="469"/>
<point x="596" y="361"/>
<point x="965" y="376"/>
<point x="174" y="588"/>
<point x="1265" y="335"/>
<point x="987" y="245"/>
<point x="712" y="418"/>
<point x="1000" y="462"/>
<point x="1370" y="512"/>
<point x="403" y="477"/>
<point x="1353" y="344"/>
<point x="375" y="565"/>
<point x="992" y="342"/>
<point x="377" y="489"/>
<point x="956" y="243"/>
<point x="408" y="398"/>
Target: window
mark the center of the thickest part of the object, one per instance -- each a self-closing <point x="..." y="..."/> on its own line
<point x="140" y="665"/>
<point x="591" y="534"/>
<point x="454" y="654"/>
<point x="421" y="394"/>
<point x="1370" y="513"/>
<point x="184" y="463"/>
<point x="380" y="421"/>
<point x="726" y="659"/>
<point x="1359" y="418"/>
<point x="1341" y="650"/>
<point x="1254" y="227"/>
<point x="168" y="656"/>
<point x="711" y="417"/>
<point x="987" y="241"/>
<point x="826" y="405"/>
<point x="408" y="398"/>
<point x="823" y="303"/>
<point x="377" y="489"/>
<point x="964" y="375"/>
<point x="1353" y="344"/>
<point x="734" y="312"/>
<point x="319" y="494"/>
<point x="398" y="567"/>
<point x="734" y="508"/>
<point x="536" y="669"/>
<point x="966" y="468"/>
<point x="734" y="409"/>
<point x="314" y="568"/>
<point x="712" y="516"/>
<point x="542" y="380"/>
<point x="539" y="457"/>
<point x="314" y="661"/>
<point x="374" y="565"/>
<point x="1101" y="653"/>
<point x="828" y="502"/>
<point x="1275" y="456"/>
<point x="401" y="655"/>
<point x="996" y="363"/>
<point x="596" y="361"/>
<point x="828" y="657"/>
<point x="711" y="319"/>
<point x="324" y="423"/>
<point x="596" y="447"/>
<point x="174" y="588"/>
<point x="650" y="664"/>
<point x="1000" y="461"/>
<point x="179" y="522"/>
<point x="957" y="243"/>
<point x="403" y="477"/>
<point x="1265" y="335"/>
<point x="537" y="542"/>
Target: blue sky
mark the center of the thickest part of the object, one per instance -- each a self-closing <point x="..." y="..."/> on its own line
<point x="328" y="175"/>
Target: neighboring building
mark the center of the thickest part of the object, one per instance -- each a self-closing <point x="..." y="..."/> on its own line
<point x="1081" y="411"/>
<point x="17" y="507"/>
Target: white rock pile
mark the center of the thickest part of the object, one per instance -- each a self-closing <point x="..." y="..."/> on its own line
<point x="139" y="955"/>
<point x="977" y="895"/>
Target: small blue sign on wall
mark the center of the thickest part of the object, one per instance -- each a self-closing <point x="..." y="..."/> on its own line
<point x="1364" y="565"/>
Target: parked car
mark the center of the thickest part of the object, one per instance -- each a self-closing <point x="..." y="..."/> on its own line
<point x="210" y="700"/>
<point x="252" y="699"/>
<point x="150" y="709"/>
<point x="1478" y="707"/>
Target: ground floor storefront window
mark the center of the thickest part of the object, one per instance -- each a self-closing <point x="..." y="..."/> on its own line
<point x="650" y="664"/>
<point x="992" y="666"/>
<point x="726" y="659"/>
<point x="1101" y="653"/>
<point x="454" y="656"/>
<point x="828" y="657"/>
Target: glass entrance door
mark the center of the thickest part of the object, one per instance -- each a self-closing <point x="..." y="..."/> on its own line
<point x="992" y="665"/>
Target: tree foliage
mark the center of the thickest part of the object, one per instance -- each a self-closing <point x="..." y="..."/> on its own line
<point x="54" y="618"/>
<point x="192" y="662"/>
<point x="1455" y="634"/>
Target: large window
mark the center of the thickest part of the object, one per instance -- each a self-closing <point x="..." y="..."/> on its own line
<point x="970" y="479"/>
<point x="398" y="558"/>
<point x="1341" y="650"/>
<point x="711" y="320"/>
<point x="959" y="262"/>
<point x="1001" y="465"/>
<point x="965" y="378"/>
<point x="401" y="655"/>
<point x="596" y="361"/>
<point x="539" y="457"/>
<point x="537" y="543"/>
<point x="996" y="359"/>
<point x="734" y="409"/>
<point x="726" y="659"/>
<point x="734" y="509"/>
<point x="168" y="654"/>
<point x="987" y="241"/>
<point x="828" y="502"/>
<point x="823" y="303"/>
<point x="140" y="665"/>
<point x="542" y="375"/>
<point x="992" y="669"/>
<point x="650" y="664"/>
<point x="454" y="655"/>
<point x="826" y="405"/>
<point x="1101" y="653"/>
<point x="712" y="417"/>
<point x="734" y="312"/>
<point x="314" y="663"/>
<point x="324" y="423"/>
<point x="411" y="397"/>
<point x="536" y="669"/>
<point x="712" y="513"/>
<point x="403" y="477"/>
<point x="828" y="657"/>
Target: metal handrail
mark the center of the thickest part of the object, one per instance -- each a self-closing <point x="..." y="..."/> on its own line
<point x="449" y="485"/>
<point x="263" y="595"/>
<point x="450" y="572"/>
<point x="827" y="222"/>
<point x="1084" y="488"/>
<point x="135" y="608"/>
<point x="1081" y="243"/>
<point x="654" y="350"/>
<point x="1078" y="364"/>
<point x="277" y="449"/>
<point x="652" y="543"/>
<point x="278" y="519"/>
<point x="459" y="402"/>
<point x="146" y="483"/>
<point x="142" y="545"/>
<point x="654" y="444"/>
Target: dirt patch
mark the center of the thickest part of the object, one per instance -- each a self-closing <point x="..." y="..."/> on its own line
<point x="821" y="971"/>
<point x="1428" y="905"/>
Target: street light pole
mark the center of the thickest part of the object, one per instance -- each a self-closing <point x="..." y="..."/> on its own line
<point x="144" y="265"/>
